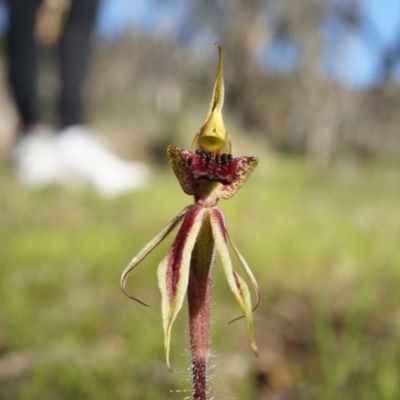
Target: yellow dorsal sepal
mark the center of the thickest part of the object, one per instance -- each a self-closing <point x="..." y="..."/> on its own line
<point x="212" y="136"/>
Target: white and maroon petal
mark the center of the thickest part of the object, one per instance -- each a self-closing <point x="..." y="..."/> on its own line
<point x="173" y="271"/>
<point x="236" y="283"/>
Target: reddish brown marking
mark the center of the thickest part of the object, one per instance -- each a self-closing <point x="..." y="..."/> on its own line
<point x="176" y="252"/>
<point x="235" y="275"/>
<point x="221" y="221"/>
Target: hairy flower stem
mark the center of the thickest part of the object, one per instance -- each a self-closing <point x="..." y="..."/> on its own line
<point x="199" y="299"/>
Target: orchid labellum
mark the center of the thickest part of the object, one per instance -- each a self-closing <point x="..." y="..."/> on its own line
<point x="208" y="172"/>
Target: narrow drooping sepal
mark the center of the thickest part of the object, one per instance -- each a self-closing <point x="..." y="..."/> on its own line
<point x="248" y="272"/>
<point x="147" y="249"/>
<point x="236" y="283"/>
<point x="173" y="271"/>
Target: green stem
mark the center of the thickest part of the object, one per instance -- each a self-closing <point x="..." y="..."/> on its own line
<point x="199" y="299"/>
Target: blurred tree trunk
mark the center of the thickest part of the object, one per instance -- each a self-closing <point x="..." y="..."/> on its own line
<point x="8" y="114"/>
<point x="305" y="20"/>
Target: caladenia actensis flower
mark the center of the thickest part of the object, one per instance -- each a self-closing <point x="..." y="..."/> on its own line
<point x="209" y="173"/>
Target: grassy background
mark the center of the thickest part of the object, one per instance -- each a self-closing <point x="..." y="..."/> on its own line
<point x="324" y="248"/>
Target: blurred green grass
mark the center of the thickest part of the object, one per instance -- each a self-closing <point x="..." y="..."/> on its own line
<point x="324" y="248"/>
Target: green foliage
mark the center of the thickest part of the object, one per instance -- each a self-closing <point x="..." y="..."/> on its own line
<point x="324" y="250"/>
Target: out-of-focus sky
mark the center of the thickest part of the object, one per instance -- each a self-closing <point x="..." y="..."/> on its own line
<point x="356" y="61"/>
<point x="351" y="55"/>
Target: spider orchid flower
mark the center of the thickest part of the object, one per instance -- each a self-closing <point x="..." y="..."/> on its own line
<point x="208" y="174"/>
